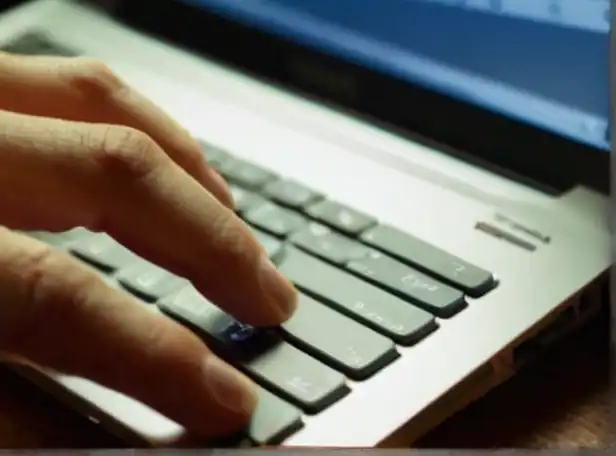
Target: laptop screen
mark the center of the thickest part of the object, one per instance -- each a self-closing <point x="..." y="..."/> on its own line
<point x="542" y="62"/>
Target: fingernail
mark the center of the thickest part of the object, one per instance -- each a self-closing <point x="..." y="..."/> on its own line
<point x="228" y="387"/>
<point x="222" y="188"/>
<point x="282" y="294"/>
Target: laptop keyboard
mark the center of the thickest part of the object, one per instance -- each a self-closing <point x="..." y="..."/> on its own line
<point x="366" y="288"/>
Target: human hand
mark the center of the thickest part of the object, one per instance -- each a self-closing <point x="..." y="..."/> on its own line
<point x="78" y="147"/>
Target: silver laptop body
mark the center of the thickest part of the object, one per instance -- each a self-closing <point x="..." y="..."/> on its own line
<point x="560" y="263"/>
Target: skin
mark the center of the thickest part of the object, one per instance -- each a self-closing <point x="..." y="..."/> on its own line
<point x="78" y="147"/>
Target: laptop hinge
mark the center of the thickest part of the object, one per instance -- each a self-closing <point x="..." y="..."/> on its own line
<point x="105" y="5"/>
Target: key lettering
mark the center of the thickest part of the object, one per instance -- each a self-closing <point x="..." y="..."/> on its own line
<point x="458" y="268"/>
<point x="299" y="384"/>
<point x="147" y="279"/>
<point x="415" y="282"/>
<point x="355" y="359"/>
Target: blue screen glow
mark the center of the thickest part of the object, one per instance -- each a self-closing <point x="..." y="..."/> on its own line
<point x="542" y="62"/>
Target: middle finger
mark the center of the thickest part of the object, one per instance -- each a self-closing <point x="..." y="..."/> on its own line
<point x="117" y="180"/>
<point x="87" y="91"/>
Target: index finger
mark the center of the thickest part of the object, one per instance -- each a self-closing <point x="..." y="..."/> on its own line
<point x="119" y="181"/>
<point x="88" y="91"/>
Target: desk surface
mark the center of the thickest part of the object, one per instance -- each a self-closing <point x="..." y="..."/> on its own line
<point x="561" y="402"/>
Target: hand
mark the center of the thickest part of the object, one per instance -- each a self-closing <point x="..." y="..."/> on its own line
<point x="78" y="147"/>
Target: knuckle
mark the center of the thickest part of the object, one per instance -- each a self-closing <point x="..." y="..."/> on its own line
<point x="233" y="241"/>
<point x="94" y="78"/>
<point x="36" y="266"/>
<point x="42" y="267"/>
<point x="230" y="234"/>
<point x="127" y="153"/>
<point x="55" y="292"/>
<point x="159" y="341"/>
<point x="53" y="286"/>
<point x="38" y="290"/>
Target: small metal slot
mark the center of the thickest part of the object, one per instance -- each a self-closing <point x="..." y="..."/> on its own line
<point x="531" y="348"/>
<point x="505" y="236"/>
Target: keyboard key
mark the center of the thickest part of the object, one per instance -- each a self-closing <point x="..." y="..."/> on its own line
<point x="245" y="200"/>
<point x="435" y="297"/>
<point x="340" y="217"/>
<point x="298" y="377"/>
<point x="275" y="219"/>
<point x="215" y="156"/>
<point x="321" y="241"/>
<point x="273" y="363"/>
<point x="246" y="174"/>
<point x="110" y="280"/>
<point x="59" y="239"/>
<point x="38" y="44"/>
<point x="290" y="194"/>
<point x="149" y="281"/>
<point x="272" y="246"/>
<point x="221" y="329"/>
<point x="337" y="340"/>
<point x="103" y="252"/>
<point x="472" y="280"/>
<point x="273" y="420"/>
<point x="383" y="312"/>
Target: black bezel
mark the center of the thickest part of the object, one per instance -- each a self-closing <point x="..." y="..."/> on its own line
<point x="6" y="4"/>
<point x="546" y="158"/>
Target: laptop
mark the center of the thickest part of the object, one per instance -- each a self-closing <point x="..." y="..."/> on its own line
<point x="431" y="174"/>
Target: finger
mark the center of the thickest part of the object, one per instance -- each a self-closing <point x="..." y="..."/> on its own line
<point x="61" y="316"/>
<point x="85" y="90"/>
<point x="117" y="180"/>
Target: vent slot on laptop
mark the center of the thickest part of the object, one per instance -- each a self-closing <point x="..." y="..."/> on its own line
<point x="534" y="346"/>
<point x="571" y="316"/>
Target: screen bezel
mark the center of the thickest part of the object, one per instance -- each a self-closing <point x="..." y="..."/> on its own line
<point x="551" y="160"/>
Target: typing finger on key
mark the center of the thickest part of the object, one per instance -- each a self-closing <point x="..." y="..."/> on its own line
<point x="119" y="181"/>
<point x="59" y="315"/>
